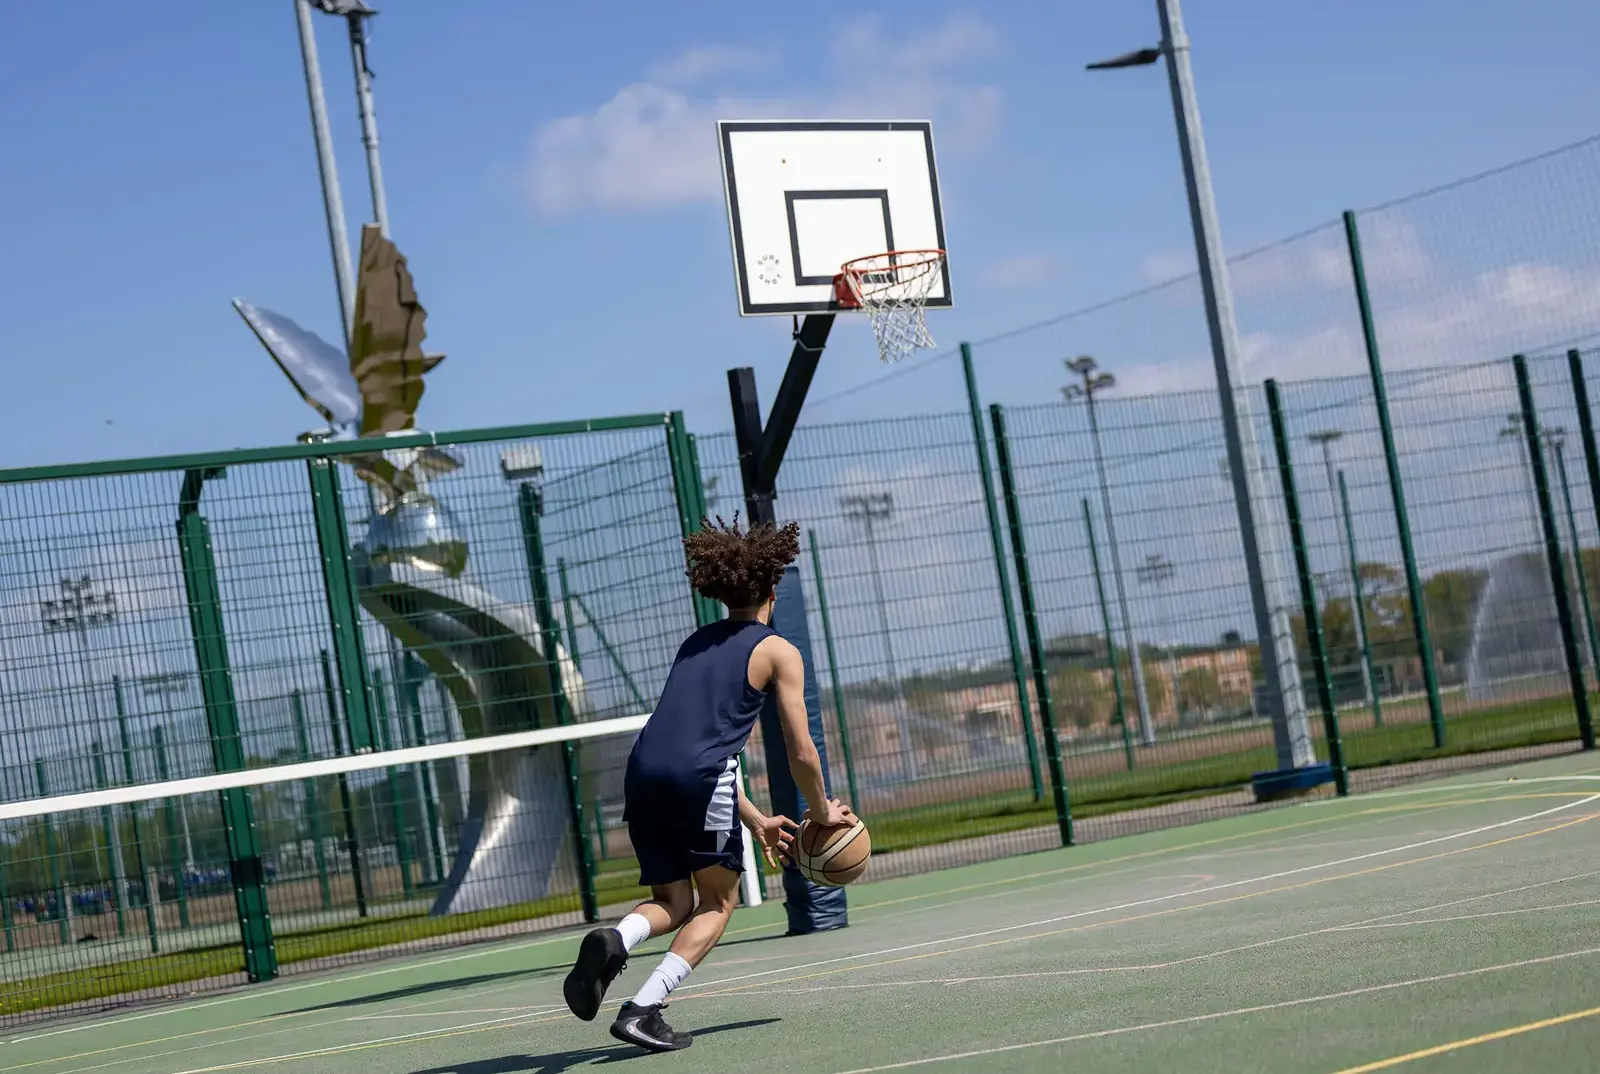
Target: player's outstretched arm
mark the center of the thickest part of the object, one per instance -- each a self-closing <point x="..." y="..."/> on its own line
<point x="789" y="686"/>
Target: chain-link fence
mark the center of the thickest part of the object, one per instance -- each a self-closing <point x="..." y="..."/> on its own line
<point x="1033" y="622"/>
<point x="175" y="618"/>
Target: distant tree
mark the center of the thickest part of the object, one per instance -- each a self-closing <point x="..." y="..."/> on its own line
<point x="1199" y="689"/>
<point x="1451" y="598"/>
<point x="1079" y="697"/>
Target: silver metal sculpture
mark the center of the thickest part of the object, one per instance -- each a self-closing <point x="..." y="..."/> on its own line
<point x="409" y="569"/>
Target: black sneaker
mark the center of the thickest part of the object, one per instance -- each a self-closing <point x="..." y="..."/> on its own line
<point x="601" y="957"/>
<point x="643" y="1026"/>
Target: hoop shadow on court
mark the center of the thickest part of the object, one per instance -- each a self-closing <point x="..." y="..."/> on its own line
<point x="556" y="1062"/>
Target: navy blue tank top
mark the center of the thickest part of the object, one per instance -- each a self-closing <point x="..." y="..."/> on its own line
<point x="706" y="713"/>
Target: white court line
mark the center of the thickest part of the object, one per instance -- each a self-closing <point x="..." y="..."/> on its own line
<point x="1403" y="792"/>
<point x="508" y="1020"/>
<point x="282" y="989"/>
<point x="335" y="1049"/>
<point x="438" y="1014"/>
<point x="1136" y="903"/>
<point x="497" y="949"/>
<point x="1218" y="1015"/>
<point x="1465" y="917"/>
<point x="1370" y="922"/>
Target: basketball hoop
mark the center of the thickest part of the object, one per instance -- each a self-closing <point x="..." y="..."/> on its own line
<point x="893" y="289"/>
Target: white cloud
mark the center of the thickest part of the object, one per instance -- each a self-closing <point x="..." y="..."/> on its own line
<point x="708" y="61"/>
<point x="1021" y="271"/>
<point x="1164" y="266"/>
<point x="1316" y="262"/>
<point x="653" y="143"/>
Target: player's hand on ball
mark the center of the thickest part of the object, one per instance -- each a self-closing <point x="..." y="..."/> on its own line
<point x="776" y="836"/>
<point x="835" y="814"/>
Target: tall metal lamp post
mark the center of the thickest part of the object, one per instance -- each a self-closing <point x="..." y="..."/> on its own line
<point x="1262" y="554"/>
<point x="871" y="509"/>
<point x="1157" y="570"/>
<point x="1096" y="380"/>
<point x="1325" y="439"/>
<point x="1512" y="431"/>
<point x="82" y="605"/>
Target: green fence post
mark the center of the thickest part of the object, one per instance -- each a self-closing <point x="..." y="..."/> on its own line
<point x="1119" y="713"/>
<point x="1359" y="604"/>
<point x="397" y="805"/>
<point x="689" y="492"/>
<point x="1552" y="551"/>
<point x="1580" y="576"/>
<point x="1308" y="594"/>
<point x="1019" y="674"/>
<point x="352" y="839"/>
<point x="125" y="738"/>
<point x="169" y="808"/>
<point x="1030" y="620"/>
<point x="108" y="827"/>
<point x="1391" y="458"/>
<point x="566" y="613"/>
<point x="344" y="610"/>
<point x="313" y="825"/>
<point x="204" y="594"/>
<point x="612" y="654"/>
<point x="1591" y="455"/>
<point x="58" y="883"/>
<point x="415" y="672"/>
<point x="530" y="504"/>
<point x="833" y="670"/>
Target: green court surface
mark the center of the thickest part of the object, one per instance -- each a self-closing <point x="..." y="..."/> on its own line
<point x="1450" y="926"/>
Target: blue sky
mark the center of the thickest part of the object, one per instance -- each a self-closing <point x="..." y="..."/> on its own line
<point x="551" y="176"/>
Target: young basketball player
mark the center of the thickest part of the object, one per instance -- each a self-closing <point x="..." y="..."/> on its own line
<point x="685" y="800"/>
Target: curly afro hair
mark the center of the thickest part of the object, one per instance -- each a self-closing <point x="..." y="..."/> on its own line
<point x="739" y="568"/>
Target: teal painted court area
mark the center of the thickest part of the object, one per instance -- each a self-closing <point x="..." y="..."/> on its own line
<point x="1450" y="926"/>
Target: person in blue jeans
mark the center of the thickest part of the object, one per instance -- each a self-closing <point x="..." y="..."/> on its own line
<point x="685" y="799"/>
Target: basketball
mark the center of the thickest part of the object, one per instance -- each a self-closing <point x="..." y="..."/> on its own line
<point x="833" y="856"/>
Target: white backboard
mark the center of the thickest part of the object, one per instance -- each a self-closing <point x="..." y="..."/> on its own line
<point x="805" y="197"/>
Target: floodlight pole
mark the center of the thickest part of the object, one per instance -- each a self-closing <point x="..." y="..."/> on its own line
<point x="332" y="200"/>
<point x="1093" y="383"/>
<point x="355" y="22"/>
<point x="1325" y="439"/>
<point x="1262" y="554"/>
<point x="83" y="605"/>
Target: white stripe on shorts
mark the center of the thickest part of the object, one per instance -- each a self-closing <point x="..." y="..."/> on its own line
<point x="723" y="811"/>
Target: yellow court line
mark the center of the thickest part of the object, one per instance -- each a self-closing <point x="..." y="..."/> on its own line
<point x="1139" y="917"/>
<point x="1140" y="855"/>
<point x="1468" y="1042"/>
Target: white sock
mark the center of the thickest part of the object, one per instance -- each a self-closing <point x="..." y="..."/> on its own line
<point x="663" y="980"/>
<point x="634" y="929"/>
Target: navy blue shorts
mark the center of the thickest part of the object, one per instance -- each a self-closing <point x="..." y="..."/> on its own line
<point x="668" y="853"/>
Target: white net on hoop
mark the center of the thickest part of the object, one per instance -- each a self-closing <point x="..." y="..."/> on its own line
<point x="893" y="289"/>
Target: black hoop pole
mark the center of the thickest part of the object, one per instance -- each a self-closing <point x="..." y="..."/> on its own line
<point x="762" y="447"/>
<point x="808" y="906"/>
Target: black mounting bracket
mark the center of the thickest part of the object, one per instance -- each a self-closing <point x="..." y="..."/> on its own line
<point x="761" y="447"/>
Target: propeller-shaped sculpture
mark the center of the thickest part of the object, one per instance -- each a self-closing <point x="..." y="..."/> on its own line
<point x="374" y="391"/>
